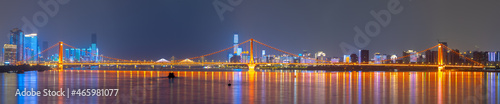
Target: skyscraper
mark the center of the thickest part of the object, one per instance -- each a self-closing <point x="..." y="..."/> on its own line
<point x="17" y="38"/>
<point x="364" y="56"/>
<point x="235" y="48"/>
<point x="93" y="46"/>
<point x="235" y="43"/>
<point x="31" y="47"/>
<point x="492" y="56"/>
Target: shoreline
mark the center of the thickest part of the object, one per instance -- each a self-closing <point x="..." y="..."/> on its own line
<point x="22" y="68"/>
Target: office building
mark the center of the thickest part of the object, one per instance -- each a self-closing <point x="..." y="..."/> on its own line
<point x="94" y="50"/>
<point x="31" y="47"/>
<point x="429" y="57"/>
<point x="235" y="43"/>
<point x="480" y="56"/>
<point x="9" y="54"/>
<point x="364" y="56"/>
<point x="492" y="56"/>
<point x="17" y="38"/>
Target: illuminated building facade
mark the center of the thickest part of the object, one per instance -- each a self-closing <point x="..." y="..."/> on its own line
<point x="94" y="50"/>
<point x="347" y="58"/>
<point x="492" y="56"/>
<point x="379" y="58"/>
<point x="235" y="43"/>
<point x="9" y="54"/>
<point x="413" y="56"/>
<point x="320" y="55"/>
<point x="90" y="54"/>
<point x="31" y="49"/>
<point x="236" y="51"/>
<point x="394" y="58"/>
<point x="17" y="38"/>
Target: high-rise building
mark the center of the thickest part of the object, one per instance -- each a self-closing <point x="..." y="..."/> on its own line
<point x="263" y="52"/>
<point x="364" y="56"/>
<point x="94" y="50"/>
<point x="17" y="38"/>
<point x="429" y="58"/>
<point x="480" y="56"/>
<point x="235" y="49"/>
<point x="239" y="51"/>
<point x="235" y="43"/>
<point x="498" y="56"/>
<point x="9" y="54"/>
<point x="452" y="57"/>
<point x="31" y="47"/>
<point x="492" y="56"/>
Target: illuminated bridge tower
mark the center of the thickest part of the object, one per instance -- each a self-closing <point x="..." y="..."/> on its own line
<point x="251" y="64"/>
<point x="61" y="52"/>
<point x="440" y="60"/>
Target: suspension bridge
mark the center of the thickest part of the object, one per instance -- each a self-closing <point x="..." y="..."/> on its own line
<point x="252" y="63"/>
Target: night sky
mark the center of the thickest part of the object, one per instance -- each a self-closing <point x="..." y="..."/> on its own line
<point x="154" y="29"/>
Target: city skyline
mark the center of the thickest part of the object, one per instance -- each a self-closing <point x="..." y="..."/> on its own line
<point x="250" y="51"/>
<point x="119" y="32"/>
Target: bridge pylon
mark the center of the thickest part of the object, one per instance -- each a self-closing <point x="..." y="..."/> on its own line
<point x="61" y="54"/>
<point x="441" y="63"/>
<point x="251" y="64"/>
<point x="440" y="55"/>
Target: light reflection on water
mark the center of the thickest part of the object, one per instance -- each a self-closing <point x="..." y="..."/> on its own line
<point x="258" y="87"/>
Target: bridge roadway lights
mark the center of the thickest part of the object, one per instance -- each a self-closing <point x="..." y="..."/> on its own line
<point x="441" y="67"/>
<point x="251" y="67"/>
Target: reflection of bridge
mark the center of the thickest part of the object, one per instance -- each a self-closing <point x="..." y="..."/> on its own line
<point x="251" y="63"/>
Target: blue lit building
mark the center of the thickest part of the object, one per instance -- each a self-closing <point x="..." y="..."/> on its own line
<point x="31" y="49"/>
<point x="236" y="51"/>
<point x="17" y="38"/>
<point x="94" y="50"/>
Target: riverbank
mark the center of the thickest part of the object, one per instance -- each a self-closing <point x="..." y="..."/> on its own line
<point x="22" y="68"/>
